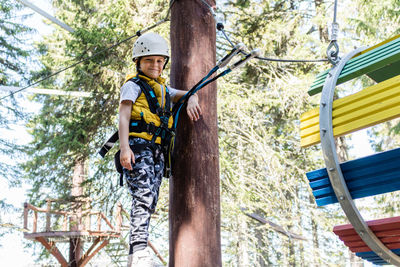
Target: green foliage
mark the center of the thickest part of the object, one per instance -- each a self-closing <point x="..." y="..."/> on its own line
<point x="12" y="38"/>
<point x="13" y="71"/>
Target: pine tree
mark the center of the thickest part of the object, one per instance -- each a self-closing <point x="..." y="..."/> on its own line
<point x="12" y="38"/>
<point x="13" y="54"/>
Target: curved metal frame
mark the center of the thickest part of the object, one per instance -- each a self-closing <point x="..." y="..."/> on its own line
<point x="334" y="171"/>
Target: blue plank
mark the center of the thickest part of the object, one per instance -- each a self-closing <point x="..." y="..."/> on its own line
<point x="367" y="181"/>
<point x="367" y="176"/>
<point x="360" y="177"/>
<point x="372" y="257"/>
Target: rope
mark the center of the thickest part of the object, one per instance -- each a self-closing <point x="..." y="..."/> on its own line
<point x="220" y="27"/>
<point x="137" y="34"/>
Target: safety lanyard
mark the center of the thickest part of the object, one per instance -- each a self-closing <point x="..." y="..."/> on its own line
<point x="205" y="80"/>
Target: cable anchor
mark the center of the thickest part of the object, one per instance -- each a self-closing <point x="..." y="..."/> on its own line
<point x="332" y="52"/>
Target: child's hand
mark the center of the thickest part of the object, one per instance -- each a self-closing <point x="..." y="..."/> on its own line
<point x="127" y="158"/>
<point x="193" y="108"/>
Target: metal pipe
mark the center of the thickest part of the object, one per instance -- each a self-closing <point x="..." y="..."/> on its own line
<point x="47" y="15"/>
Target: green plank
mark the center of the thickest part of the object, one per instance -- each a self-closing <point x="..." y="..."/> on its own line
<point x="365" y="63"/>
<point x="385" y="73"/>
<point x="380" y="53"/>
<point x="377" y="53"/>
<point x="384" y="58"/>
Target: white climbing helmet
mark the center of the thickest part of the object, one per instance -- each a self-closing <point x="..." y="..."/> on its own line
<point x="150" y="44"/>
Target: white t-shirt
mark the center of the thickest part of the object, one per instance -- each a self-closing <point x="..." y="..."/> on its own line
<point x="131" y="91"/>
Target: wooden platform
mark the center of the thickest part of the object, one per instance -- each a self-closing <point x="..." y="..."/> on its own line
<point x="76" y="224"/>
<point x="65" y="236"/>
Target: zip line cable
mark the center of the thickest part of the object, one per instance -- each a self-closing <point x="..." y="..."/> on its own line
<point x="220" y="27"/>
<point x="138" y="33"/>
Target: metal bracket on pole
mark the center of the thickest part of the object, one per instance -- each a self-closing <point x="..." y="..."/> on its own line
<point x="47" y="15"/>
<point x="334" y="171"/>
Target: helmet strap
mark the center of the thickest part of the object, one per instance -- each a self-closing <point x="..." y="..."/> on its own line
<point x="137" y="64"/>
<point x="166" y="62"/>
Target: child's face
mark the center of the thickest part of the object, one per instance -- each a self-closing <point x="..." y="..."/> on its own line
<point x="152" y="66"/>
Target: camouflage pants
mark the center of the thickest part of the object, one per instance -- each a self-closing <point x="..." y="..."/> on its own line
<point x="144" y="183"/>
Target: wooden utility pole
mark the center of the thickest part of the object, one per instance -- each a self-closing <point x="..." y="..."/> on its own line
<point x="194" y="188"/>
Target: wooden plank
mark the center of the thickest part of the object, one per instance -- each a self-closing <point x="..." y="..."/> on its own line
<point x="86" y="259"/>
<point x="51" y="247"/>
<point x="385" y="224"/>
<point x="367" y="176"/>
<point x="383" y="234"/>
<point x="372" y="255"/>
<point x="70" y="234"/>
<point x="379" y="56"/>
<point x="371" y="106"/>
<point x="385" y="73"/>
<point x="378" y="45"/>
<point x="366" y="248"/>
<point x="361" y="243"/>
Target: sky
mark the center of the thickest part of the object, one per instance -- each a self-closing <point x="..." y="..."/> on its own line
<point x="12" y="246"/>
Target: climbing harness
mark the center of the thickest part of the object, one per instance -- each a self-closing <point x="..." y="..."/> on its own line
<point x="332" y="52"/>
<point x="163" y="131"/>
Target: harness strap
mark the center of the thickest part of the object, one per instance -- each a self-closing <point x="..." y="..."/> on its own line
<point x="152" y="98"/>
<point x="109" y="144"/>
<point x="136" y="149"/>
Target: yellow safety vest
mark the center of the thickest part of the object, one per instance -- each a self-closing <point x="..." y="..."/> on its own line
<point x="141" y="109"/>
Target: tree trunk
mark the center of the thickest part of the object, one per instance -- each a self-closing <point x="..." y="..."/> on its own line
<point x="194" y="187"/>
<point x="76" y="244"/>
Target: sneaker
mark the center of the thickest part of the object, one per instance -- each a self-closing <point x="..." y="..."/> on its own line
<point x="141" y="258"/>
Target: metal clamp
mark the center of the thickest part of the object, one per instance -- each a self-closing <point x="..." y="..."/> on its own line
<point x="335" y="173"/>
<point x="332" y="52"/>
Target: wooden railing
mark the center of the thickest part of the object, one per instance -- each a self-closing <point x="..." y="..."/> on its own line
<point x="78" y="213"/>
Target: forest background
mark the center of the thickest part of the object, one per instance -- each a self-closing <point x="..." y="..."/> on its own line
<point x="262" y="167"/>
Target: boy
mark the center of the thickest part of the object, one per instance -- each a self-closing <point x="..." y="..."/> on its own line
<point x="141" y="155"/>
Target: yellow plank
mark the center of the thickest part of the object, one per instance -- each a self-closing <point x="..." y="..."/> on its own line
<point x="377" y="45"/>
<point x="350" y="104"/>
<point x="371" y="106"/>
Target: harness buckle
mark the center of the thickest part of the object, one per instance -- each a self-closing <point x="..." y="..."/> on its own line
<point x="151" y="128"/>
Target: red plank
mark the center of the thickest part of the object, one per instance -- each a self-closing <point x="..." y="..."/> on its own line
<point x="361" y="243"/>
<point x="355" y="237"/>
<point x="375" y="225"/>
<point x="366" y="249"/>
<point x="387" y="230"/>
